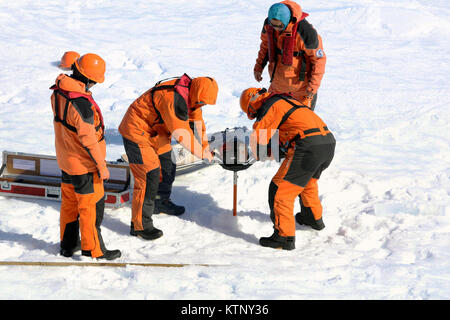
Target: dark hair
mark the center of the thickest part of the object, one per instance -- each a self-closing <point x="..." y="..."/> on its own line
<point x="78" y="76"/>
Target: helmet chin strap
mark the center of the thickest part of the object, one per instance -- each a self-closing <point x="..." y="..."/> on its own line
<point x="263" y="90"/>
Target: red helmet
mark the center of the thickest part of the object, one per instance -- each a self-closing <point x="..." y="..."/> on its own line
<point x="247" y="97"/>
<point x="68" y="59"/>
<point x="92" y="67"/>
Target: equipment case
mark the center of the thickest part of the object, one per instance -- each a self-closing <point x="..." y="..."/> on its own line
<point x="38" y="176"/>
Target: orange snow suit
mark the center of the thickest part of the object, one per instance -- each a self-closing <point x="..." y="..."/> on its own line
<point x="80" y="153"/>
<point x="147" y="128"/>
<point x="309" y="146"/>
<point x="295" y="55"/>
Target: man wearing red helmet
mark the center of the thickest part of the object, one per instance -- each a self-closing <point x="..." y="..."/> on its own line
<point x="80" y="153"/>
<point x="309" y="147"/>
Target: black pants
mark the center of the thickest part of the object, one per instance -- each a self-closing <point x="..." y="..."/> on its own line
<point x="313" y="149"/>
<point x="142" y="160"/>
<point x="168" y="169"/>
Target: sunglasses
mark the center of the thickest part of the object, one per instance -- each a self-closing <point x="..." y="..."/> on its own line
<point x="278" y="26"/>
<point x="251" y="113"/>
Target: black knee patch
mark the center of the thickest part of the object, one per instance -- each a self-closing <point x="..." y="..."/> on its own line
<point x="133" y="152"/>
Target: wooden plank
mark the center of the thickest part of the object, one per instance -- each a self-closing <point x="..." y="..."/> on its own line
<point x="101" y="264"/>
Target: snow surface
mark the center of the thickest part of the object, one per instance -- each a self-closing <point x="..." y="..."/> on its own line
<point x="386" y="195"/>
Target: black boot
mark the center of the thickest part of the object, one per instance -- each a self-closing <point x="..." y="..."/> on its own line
<point x="278" y="242"/>
<point x="68" y="252"/>
<point x="70" y="242"/>
<point x="168" y="207"/>
<point x="147" y="234"/>
<point x="305" y="217"/>
<point x="110" y="255"/>
<point x="107" y="254"/>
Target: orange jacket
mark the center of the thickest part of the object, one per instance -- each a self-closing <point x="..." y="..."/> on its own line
<point x="292" y="119"/>
<point x="79" y="131"/>
<point x="158" y="115"/>
<point x="308" y="63"/>
<point x="197" y="125"/>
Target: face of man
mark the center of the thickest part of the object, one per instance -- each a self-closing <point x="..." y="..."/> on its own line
<point x="277" y="24"/>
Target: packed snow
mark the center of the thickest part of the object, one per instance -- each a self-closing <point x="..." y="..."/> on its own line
<point x="386" y="195"/>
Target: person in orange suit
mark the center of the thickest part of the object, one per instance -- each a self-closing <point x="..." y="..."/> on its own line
<point x="165" y="111"/>
<point x="68" y="59"/>
<point x="294" y="51"/>
<point x="163" y="204"/>
<point x="80" y="153"/>
<point x="309" y="146"/>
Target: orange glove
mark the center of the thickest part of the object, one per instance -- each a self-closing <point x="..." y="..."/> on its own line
<point x="103" y="172"/>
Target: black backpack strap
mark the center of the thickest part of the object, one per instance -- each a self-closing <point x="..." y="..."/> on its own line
<point x="291" y="110"/>
<point x="302" y="72"/>
<point x="57" y="117"/>
<point x="262" y="111"/>
<point x="157" y="88"/>
<point x="181" y="108"/>
<point x="164" y="80"/>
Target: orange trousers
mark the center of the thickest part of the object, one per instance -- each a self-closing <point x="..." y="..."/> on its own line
<point x="298" y="175"/>
<point x="82" y="209"/>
